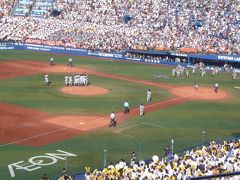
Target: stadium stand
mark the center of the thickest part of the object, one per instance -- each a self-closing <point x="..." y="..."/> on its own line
<point x="213" y="159"/>
<point x="116" y="25"/>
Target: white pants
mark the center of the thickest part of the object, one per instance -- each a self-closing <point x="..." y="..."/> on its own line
<point x="148" y="98"/>
<point x="141" y="111"/>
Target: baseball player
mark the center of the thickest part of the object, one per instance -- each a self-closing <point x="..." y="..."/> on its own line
<point x="173" y="72"/>
<point x="141" y="109"/>
<point x="86" y="80"/>
<point x="234" y="75"/>
<point x="70" y="80"/>
<point x="70" y="62"/>
<point x="66" y="80"/>
<point x="203" y="72"/>
<point x="112" y="120"/>
<point x="126" y="107"/>
<point x="52" y="63"/>
<point x="149" y="95"/>
<point x="182" y="69"/>
<point x="196" y="86"/>
<point x="178" y="72"/>
<point x="46" y="80"/>
<point x="187" y="73"/>
<point x="213" y="72"/>
<point x="216" y="86"/>
<point x="194" y="70"/>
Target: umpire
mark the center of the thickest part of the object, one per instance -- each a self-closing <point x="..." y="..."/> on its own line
<point x="126" y="107"/>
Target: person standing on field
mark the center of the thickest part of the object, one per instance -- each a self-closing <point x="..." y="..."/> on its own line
<point x="196" y="86"/>
<point x="112" y="120"/>
<point x="70" y="80"/>
<point x="66" y="80"/>
<point x="216" y="86"/>
<point x="126" y="107"/>
<point x="141" y="109"/>
<point x="46" y="79"/>
<point x="52" y="63"/>
<point x="149" y="95"/>
<point x="70" y="62"/>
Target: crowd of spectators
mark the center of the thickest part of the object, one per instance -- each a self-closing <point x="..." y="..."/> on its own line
<point x="215" y="158"/>
<point x="115" y="25"/>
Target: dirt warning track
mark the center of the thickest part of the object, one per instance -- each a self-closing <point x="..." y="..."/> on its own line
<point x="26" y="126"/>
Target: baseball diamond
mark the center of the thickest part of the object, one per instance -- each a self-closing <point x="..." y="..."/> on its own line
<point x="119" y="89"/>
<point x="39" y="118"/>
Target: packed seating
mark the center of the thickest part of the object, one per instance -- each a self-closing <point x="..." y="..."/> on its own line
<point x="212" y="159"/>
<point x="115" y="25"/>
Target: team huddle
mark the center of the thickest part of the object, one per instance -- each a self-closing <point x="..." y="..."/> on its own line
<point x="76" y="80"/>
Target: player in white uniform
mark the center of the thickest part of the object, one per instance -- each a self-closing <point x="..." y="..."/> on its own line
<point x="203" y="72"/>
<point x="182" y="69"/>
<point x="194" y="70"/>
<point x="213" y="72"/>
<point x="196" y="86"/>
<point x="113" y="121"/>
<point x="216" y="86"/>
<point x="66" y="80"/>
<point x="52" y="63"/>
<point x="149" y="95"/>
<point x="70" y="80"/>
<point x="141" y="109"/>
<point x="234" y="75"/>
<point x="173" y="72"/>
<point x="85" y="80"/>
<point x="187" y="73"/>
<point x="46" y="80"/>
<point x="178" y="72"/>
<point x="70" y="62"/>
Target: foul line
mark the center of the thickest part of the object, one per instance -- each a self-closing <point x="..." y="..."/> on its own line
<point x="33" y="137"/>
<point x="169" y="100"/>
<point x="43" y="134"/>
<point x="154" y="125"/>
<point x="128" y="127"/>
<point x="117" y="131"/>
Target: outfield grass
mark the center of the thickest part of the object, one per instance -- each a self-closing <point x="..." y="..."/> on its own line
<point x="146" y="135"/>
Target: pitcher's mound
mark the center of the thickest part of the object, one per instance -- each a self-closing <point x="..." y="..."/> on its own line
<point x="89" y="90"/>
<point x="203" y="93"/>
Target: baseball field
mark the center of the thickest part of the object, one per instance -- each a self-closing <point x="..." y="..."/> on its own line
<point x="45" y="128"/>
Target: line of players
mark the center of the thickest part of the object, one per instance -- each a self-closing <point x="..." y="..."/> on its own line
<point x="76" y="80"/>
<point x="181" y="71"/>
